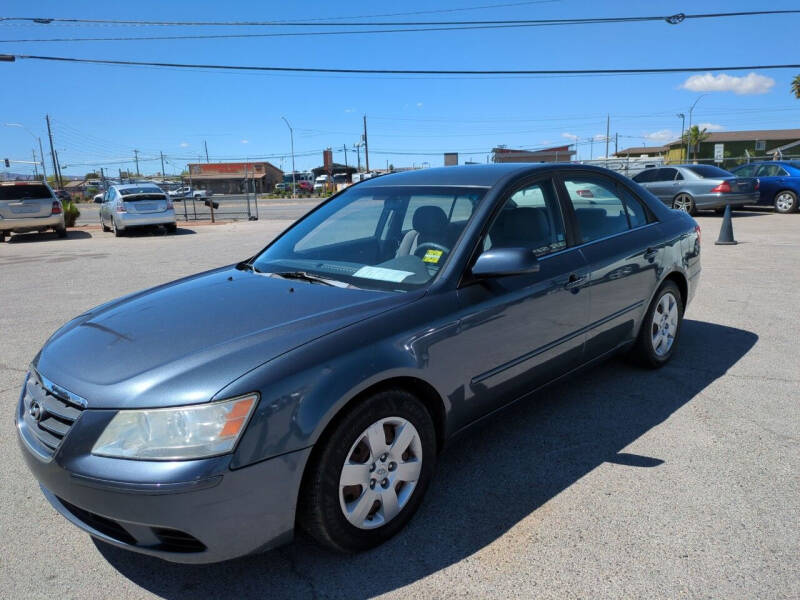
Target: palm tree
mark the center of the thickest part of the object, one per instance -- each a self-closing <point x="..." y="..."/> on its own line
<point x="796" y="86"/>
<point x="693" y="136"/>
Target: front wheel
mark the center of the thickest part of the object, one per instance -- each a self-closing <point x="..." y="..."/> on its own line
<point x="660" y="328"/>
<point x="370" y="473"/>
<point x="786" y="202"/>
<point x="685" y="203"/>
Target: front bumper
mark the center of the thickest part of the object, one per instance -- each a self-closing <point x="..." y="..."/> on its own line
<point x="721" y="200"/>
<point x="196" y="511"/>
<point x="32" y="223"/>
<point x="127" y="220"/>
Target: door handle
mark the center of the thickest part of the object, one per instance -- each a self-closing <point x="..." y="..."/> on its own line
<point x="650" y="253"/>
<point x="575" y="282"/>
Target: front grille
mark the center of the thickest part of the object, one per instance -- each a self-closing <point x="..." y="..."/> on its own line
<point x="49" y="412"/>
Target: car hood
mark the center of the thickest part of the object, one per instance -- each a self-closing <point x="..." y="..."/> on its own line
<point x="182" y="342"/>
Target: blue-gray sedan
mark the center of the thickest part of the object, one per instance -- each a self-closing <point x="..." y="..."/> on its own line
<point x="341" y="359"/>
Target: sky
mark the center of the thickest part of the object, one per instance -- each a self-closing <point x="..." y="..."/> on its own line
<point x="101" y="114"/>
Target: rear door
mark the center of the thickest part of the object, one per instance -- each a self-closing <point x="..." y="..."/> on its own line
<point x="771" y="178"/>
<point x="619" y="241"/>
<point x="20" y="200"/>
<point x="665" y="184"/>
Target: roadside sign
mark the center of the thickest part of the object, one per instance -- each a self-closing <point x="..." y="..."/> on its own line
<point x="719" y="152"/>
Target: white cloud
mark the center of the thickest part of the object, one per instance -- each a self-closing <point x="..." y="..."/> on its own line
<point x="569" y="136"/>
<point x="599" y="137"/>
<point x="662" y="135"/>
<point x="245" y="141"/>
<point x="184" y="144"/>
<point x="349" y="110"/>
<point x="419" y="104"/>
<point x="752" y="83"/>
<point x="711" y="126"/>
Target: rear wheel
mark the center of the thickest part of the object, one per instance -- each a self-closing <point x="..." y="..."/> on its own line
<point x="685" y="203"/>
<point x="117" y="232"/>
<point x="370" y="473"/>
<point x="786" y="202"/>
<point x="61" y="232"/>
<point x="171" y="228"/>
<point x="660" y="328"/>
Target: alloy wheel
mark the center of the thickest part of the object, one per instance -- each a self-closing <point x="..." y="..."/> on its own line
<point x="664" y="327"/>
<point x="683" y="202"/>
<point x="784" y="202"/>
<point x="380" y="472"/>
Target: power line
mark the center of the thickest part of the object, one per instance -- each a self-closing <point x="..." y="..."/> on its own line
<point x="673" y="19"/>
<point x="405" y="26"/>
<point x="640" y="71"/>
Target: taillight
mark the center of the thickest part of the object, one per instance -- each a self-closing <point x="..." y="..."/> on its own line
<point x="121" y="207"/>
<point x="722" y="188"/>
<point x="758" y="183"/>
<point x="697" y="231"/>
<point x="169" y="204"/>
<point x="56" y="207"/>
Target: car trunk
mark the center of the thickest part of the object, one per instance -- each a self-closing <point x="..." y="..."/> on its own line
<point x="20" y="201"/>
<point x="145" y="203"/>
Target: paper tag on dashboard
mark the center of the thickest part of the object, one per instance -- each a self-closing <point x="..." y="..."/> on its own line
<point x="382" y="274"/>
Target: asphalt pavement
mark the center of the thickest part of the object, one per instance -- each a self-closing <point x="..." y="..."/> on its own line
<point x="621" y="483"/>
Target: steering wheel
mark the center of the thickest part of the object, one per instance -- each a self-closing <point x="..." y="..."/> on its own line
<point x="432" y="246"/>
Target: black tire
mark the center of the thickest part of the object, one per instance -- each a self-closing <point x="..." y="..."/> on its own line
<point x="61" y="232"/>
<point x="171" y="228"/>
<point x="117" y="232"/>
<point x="104" y="226"/>
<point x="643" y="351"/>
<point x="320" y="513"/>
<point x="788" y="197"/>
<point x="687" y="200"/>
<point x="2" y="236"/>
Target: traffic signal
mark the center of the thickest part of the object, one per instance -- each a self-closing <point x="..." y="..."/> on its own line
<point x="8" y="163"/>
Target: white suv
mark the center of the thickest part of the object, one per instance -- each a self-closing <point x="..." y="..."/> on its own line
<point x="29" y="206"/>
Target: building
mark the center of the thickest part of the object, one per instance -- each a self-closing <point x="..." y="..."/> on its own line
<point x="555" y="154"/>
<point x="642" y="151"/>
<point x="737" y="145"/>
<point x="230" y="178"/>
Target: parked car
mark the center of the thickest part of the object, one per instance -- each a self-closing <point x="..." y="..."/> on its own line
<point x="98" y="198"/>
<point x="321" y="183"/>
<point x="698" y="187"/>
<point x="136" y="205"/>
<point x="779" y="183"/>
<point x="29" y="206"/>
<point x="305" y="186"/>
<point x="349" y="351"/>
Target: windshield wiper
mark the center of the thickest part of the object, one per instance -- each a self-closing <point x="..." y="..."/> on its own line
<point x="305" y="276"/>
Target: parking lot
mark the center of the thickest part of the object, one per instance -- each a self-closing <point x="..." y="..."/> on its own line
<point x="627" y="483"/>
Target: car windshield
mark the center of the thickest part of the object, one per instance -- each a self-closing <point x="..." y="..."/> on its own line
<point x="388" y="238"/>
<point x="709" y="172"/>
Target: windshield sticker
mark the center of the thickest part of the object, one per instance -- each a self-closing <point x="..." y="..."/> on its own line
<point x="382" y="274"/>
<point x="432" y="256"/>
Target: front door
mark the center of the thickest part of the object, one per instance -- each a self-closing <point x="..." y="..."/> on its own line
<point x="520" y="331"/>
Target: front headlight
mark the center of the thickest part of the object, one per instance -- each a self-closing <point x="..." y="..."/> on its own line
<point x="178" y="433"/>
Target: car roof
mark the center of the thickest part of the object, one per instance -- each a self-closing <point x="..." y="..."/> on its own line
<point x="469" y="175"/>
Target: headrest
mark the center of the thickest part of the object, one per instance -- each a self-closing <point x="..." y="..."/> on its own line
<point x="429" y="220"/>
<point x="526" y="223"/>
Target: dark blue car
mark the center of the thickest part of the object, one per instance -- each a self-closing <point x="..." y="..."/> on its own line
<point x="342" y="358"/>
<point x="779" y="183"/>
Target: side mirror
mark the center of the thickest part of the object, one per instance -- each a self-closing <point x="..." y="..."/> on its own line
<point x="500" y="262"/>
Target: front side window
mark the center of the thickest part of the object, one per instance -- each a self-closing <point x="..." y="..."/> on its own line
<point x="390" y="238"/>
<point x="599" y="209"/>
<point x="746" y="171"/>
<point x="530" y="218"/>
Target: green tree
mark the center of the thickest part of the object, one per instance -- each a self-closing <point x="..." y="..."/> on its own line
<point x="92" y="175"/>
<point x="693" y="136"/>
<point x="796" y="86"/>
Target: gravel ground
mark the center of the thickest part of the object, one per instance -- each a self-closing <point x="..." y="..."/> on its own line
<point x="621" y="483"/>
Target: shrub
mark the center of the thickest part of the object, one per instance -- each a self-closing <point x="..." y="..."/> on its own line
<point x="71" y="213"/>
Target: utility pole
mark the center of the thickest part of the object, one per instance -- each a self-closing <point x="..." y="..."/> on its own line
<point x="205" y="145"/>
<point x="616" y="142"/>
<point x="35" y="172"/>
<point x="366" y="145"/>
<point x="591" y="148"/>
<point x="162" y="165"/>
<point x="58" y="174"/>
<point x="683" y="123"/>
<point x="52" y="151"/>
<point x="358" y="155"/>
<point x="136" y="158"/>
<point x="608" y="132"/>
<point x="41" y="155"/>
<point x="344" y="147"/>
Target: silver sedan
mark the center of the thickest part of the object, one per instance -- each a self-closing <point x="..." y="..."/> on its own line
<point x="136" y="205"/>
<point x="698" y="187"/>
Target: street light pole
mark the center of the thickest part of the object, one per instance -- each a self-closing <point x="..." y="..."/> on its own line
<point x="37" y="138"/>
<point x="291" y="137"/>
<point x="683" y="128"/>
<point x="691" y="110"/>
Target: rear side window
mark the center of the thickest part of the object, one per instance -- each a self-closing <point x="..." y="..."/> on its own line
<point x="666" y="174"/>
<point x="24" y="192"/>
<point x="709" y="172"/>
<point x="645" y="176"/>
<point x="602" y="208"/>
<point x="770" y="171"/>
